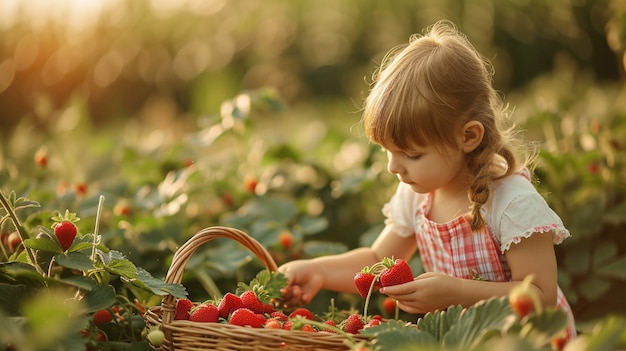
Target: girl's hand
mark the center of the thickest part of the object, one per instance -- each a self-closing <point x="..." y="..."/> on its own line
<point x="304" y="282"/>
<point x="427" y="293"/>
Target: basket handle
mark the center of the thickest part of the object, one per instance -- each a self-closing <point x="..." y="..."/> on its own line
<point x="183" y="254"/>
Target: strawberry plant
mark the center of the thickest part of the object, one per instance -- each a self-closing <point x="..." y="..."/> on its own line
<point x="69" y="279"/>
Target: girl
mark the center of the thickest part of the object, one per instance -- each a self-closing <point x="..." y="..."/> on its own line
<point x="464" y="201"/>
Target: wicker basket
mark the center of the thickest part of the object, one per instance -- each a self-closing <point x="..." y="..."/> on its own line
<point x="187" y="335"/>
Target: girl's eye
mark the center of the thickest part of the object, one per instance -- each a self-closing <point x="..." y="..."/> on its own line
<point x="413" y="157"/>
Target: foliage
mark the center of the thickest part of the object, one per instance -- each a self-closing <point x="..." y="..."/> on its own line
<point x="52" y="293"/>
<point x="580" y="170"/>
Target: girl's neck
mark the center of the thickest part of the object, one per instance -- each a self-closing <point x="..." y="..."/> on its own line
<point x="451" y="201"/>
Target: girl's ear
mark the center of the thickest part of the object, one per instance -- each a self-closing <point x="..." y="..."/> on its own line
<point x="472" y="136"/>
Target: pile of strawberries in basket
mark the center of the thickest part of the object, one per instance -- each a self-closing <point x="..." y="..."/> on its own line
<point x="253" y="305"/>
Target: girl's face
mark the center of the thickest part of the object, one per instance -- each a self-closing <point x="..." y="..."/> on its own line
<point x="426" y="169"/>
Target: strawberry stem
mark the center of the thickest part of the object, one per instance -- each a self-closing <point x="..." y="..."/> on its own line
<point x="369" y="294"/>
<point x="96" y="238"/>
<point x="22" y="233"/>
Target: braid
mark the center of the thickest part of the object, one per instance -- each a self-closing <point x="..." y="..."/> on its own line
<point x="482" y="164"/>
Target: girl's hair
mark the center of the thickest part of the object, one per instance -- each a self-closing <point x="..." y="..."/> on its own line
<point x="425" y="91"/>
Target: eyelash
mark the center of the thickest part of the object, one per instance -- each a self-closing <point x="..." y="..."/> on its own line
<point x="413" y="158"/>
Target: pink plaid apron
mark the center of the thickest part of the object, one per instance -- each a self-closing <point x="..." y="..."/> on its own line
<point x="454" y="249"/>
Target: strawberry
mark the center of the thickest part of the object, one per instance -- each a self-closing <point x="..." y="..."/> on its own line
<point x="229" y="303"/>
<point x="246" y="317"/>
<point x="279" y="316"/>
<point x="301" y="311"/>
<point x="373" y="322"/>
<point x="65" y="233"/>
<point x="398" y="272"/>
<point x="308" y="328"/>
<point x="272" y="324"/>
<point x="363" y="281"/>
<point x="389" y="305"/>
<point x="41" y="158"/>
<point x="287" y="325"/>
<point x="285" y="239"/>
<point x="13" y="241"/>
<point x="205" y="313"/>
<point x="353" y="324"/>
<point x="524" y="299"/>
<point x="156" y="337"/>
<point x="102" y="316"/>
<point x="251" y="301"/>
<point x="183" y="306"/>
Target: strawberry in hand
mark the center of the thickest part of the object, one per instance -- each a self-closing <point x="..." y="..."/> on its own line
<point x="363" y="281"/>
<point x="398" y="272"/>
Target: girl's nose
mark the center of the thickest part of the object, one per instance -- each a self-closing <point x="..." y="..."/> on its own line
<point x="393" y="166"/>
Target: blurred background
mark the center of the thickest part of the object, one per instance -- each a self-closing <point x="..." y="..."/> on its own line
<point x="193" y="113"/>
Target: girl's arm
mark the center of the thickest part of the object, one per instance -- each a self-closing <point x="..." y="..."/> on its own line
<point x="432" y="291"/>
<point x="336" y="272"/>
<point x="339" y="270"/>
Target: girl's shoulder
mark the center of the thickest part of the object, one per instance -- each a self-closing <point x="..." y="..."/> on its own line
<point x="516" y="210"/>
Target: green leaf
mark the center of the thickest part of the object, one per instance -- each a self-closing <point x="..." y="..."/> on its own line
<point x="542" y="327"/>
<point x="43" y="243"/>
<point x="122" y="267"/>
<point x="615" y="269"/>
<point x="323" y="248"/>
<point x="102" y="297"/>
<point x="53" y="316"/>
<point x="398" y="335"/>
<point x="158" y="287"/>
<point x="11" y="297"/>
<point x="576" y="261"/>
<point x="477" y="320"/>
<point x="16" y="272"/>
<point x="312" y="225"/>
<point x="593" y="288"/>
<point x="438" y="323"/>
<point x="603" y="252"/>
<point x="82" y="282"/>
<point x="616" y="215"/>
<point x="608" y="335"/>
<point x="75" y="260"/>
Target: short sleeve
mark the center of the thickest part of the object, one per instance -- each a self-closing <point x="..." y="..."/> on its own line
<point x="401" y="209"/>
<point x="518" y="211"/>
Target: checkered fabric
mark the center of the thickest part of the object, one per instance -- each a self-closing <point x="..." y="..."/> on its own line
<point x="454" y="249"/>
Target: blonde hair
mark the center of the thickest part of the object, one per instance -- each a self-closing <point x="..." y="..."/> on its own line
<point x="425" y="91"/>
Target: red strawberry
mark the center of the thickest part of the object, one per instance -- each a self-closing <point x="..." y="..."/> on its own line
<point x="102" y="316"/>
<point x="279" y="316"/>
<point x="246" y="317"/>
<point x="389" y="305"/>
<point x="301" y="311"/>
<point x="272" y="324"/>
<point x="363" y="282"/>
<point x="229" y="303"/>
<point x="285" y="239"/>
<point x="524" y="299"/>
<point x="397" y="272"/>
<point x="353" y="324"/>
<point x="308" y="328"/>
<point x="205" y="313"/>
<point x="251" y="301"/>
<point x="287" y="325"/>
<point x="373" y="322"/>
<point x="65" y="233"/>
<point x="183" y="306"/>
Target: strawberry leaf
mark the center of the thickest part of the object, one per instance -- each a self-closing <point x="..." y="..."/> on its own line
<point x="476" y="321"/>
<point x="439" y="323"/>
<point x="74" y="260"/>
<point x="399" y="335"/>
